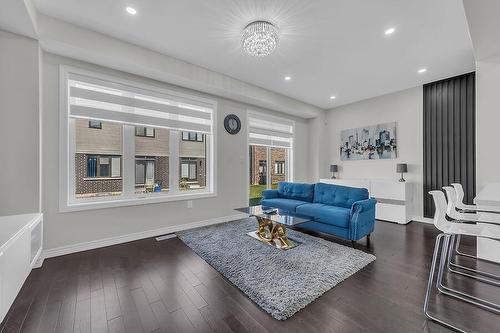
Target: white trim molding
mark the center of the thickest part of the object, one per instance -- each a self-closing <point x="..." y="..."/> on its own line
<point x="79" y="247"/>
<point x="422" y="219"/>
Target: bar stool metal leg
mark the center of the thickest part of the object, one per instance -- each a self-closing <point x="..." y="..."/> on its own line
<point x="493" y="307"/>
<point x="429" y="287"/>
<point x="446" y="245"/>
<point x="442" y="261"/>
<point x="489" y="277"/>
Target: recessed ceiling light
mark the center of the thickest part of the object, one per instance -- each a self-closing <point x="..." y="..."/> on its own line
<point x="288" y="78"/>
<point x="422" y="70"/>
<point x="390" y="31"/>
<point x="131" y="10"/>
<point x="332" y="97"/>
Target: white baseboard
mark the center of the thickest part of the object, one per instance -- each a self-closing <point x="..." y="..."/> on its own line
<point x="423" y="219"/>
<point x="38" y="260"/>
<point x="167" y="236"/>
<point x="79" y="247"/>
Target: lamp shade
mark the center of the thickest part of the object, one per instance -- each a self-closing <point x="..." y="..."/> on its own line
<point x="401" y="167"/>
<point x="334" y="168"/>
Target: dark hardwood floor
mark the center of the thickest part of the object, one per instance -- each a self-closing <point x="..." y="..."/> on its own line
<point x="150" y="286"/>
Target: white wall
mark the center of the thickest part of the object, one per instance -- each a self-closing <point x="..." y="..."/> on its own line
<point x="63" y="229"/>
<point x="404" y="107"/>
<point x="487" y="121"/>
<point x="68" y="40"/>
<point x="19" y="112"/>
<point x="318" y="147"/>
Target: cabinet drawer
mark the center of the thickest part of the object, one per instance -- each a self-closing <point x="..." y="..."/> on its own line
<point x="389" y="212"/>
<point x="388" y="190"/>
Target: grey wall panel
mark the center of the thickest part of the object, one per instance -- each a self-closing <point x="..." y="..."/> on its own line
<point x="449" y="136"/>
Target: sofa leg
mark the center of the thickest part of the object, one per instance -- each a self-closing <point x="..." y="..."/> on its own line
<point x="368" y="240"/>
<point x="353" y="243"/>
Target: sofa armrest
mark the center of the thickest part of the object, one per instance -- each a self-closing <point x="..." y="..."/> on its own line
<point x="270" y="194"/>
<point x="363" y="206"/>
<point x="362" y="218"/>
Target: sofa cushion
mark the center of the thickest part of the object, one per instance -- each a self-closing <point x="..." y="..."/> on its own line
<point x="285" y="204"/>
<point x="296" y="191"/>
<point x="309" y="209"/>
<point x="340" y="196"/>
<point x="332" y="215"/>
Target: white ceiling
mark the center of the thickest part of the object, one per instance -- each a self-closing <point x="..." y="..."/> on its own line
<point x="484" y="27"/>
<point x="18" y="17"/>
<point x="328" y="47"/>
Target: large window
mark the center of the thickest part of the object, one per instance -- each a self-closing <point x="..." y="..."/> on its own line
<point x="151" y="145"/>
<point x="270" y="153"/>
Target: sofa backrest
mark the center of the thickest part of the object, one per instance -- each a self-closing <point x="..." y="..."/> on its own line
<point x="336" y="195"/>
<point x="296" y="191"/>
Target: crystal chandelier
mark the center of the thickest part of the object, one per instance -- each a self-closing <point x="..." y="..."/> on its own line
<point x="259" y="38"/>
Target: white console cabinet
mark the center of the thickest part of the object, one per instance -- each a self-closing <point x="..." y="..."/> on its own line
<point x="20" y="247"/>
<point x="393" y="197"/>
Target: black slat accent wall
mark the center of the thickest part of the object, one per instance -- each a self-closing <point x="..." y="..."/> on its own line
<point x="449" y="137"/>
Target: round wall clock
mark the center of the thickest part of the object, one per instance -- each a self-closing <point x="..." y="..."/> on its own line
<point x="232" y="124"/>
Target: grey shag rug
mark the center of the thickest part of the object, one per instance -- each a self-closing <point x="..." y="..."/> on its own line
<point x="280" y="282"/>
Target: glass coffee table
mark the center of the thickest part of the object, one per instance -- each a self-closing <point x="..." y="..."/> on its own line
<point x="272" y="223"/>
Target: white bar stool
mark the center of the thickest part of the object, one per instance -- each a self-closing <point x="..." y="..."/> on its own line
<point x="451" y="211"/>
<point x="477" y="216"/>
<point x="450" y="229"/>
<point x="461" y="205"/>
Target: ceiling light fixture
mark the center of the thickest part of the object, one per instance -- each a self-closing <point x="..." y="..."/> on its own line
<point x="131" y="10"/>
<point x="422" y="70"/>
<point x="259" y="38"/>
<point x="288" y="78"/>
<point x="390" y="31"/>
<point x="332" y="97"/>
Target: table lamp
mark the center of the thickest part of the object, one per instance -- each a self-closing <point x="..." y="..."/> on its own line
<point x="402" y="168"/>
<point x="334" y="168"/>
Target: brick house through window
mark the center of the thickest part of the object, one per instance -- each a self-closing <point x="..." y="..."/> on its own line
<point x="259" y="167"/>
<point x="98" y="159"/>
<point x="192" y="160"/>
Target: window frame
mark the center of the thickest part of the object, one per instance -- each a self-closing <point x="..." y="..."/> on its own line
<point x="95" y="127"/>
<point x="67" y="144"/>
<point x="145" y="134"/>
<point x="189" y="163"/>
<point x="98" y="169"/>
<point x="289" y="161"/>
<point x="196" y="138"/>
<point x="279" y="166"/>
<point x="144" y="159"/>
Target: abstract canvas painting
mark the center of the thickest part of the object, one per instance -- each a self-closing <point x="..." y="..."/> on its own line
<point x="369" y="142"/>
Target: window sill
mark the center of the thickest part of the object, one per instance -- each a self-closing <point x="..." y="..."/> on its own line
<point x="144" y="200"/>
<point x="101" y="178"/>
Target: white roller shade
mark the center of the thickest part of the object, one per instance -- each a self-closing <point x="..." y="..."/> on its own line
<point x="93" y="98"/>
<point x="270" y="131"/>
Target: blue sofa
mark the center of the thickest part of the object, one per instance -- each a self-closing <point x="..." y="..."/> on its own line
<point x="346" y="212"/>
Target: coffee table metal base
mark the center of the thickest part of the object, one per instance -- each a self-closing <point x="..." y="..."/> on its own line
<point x="273" y="234"/>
